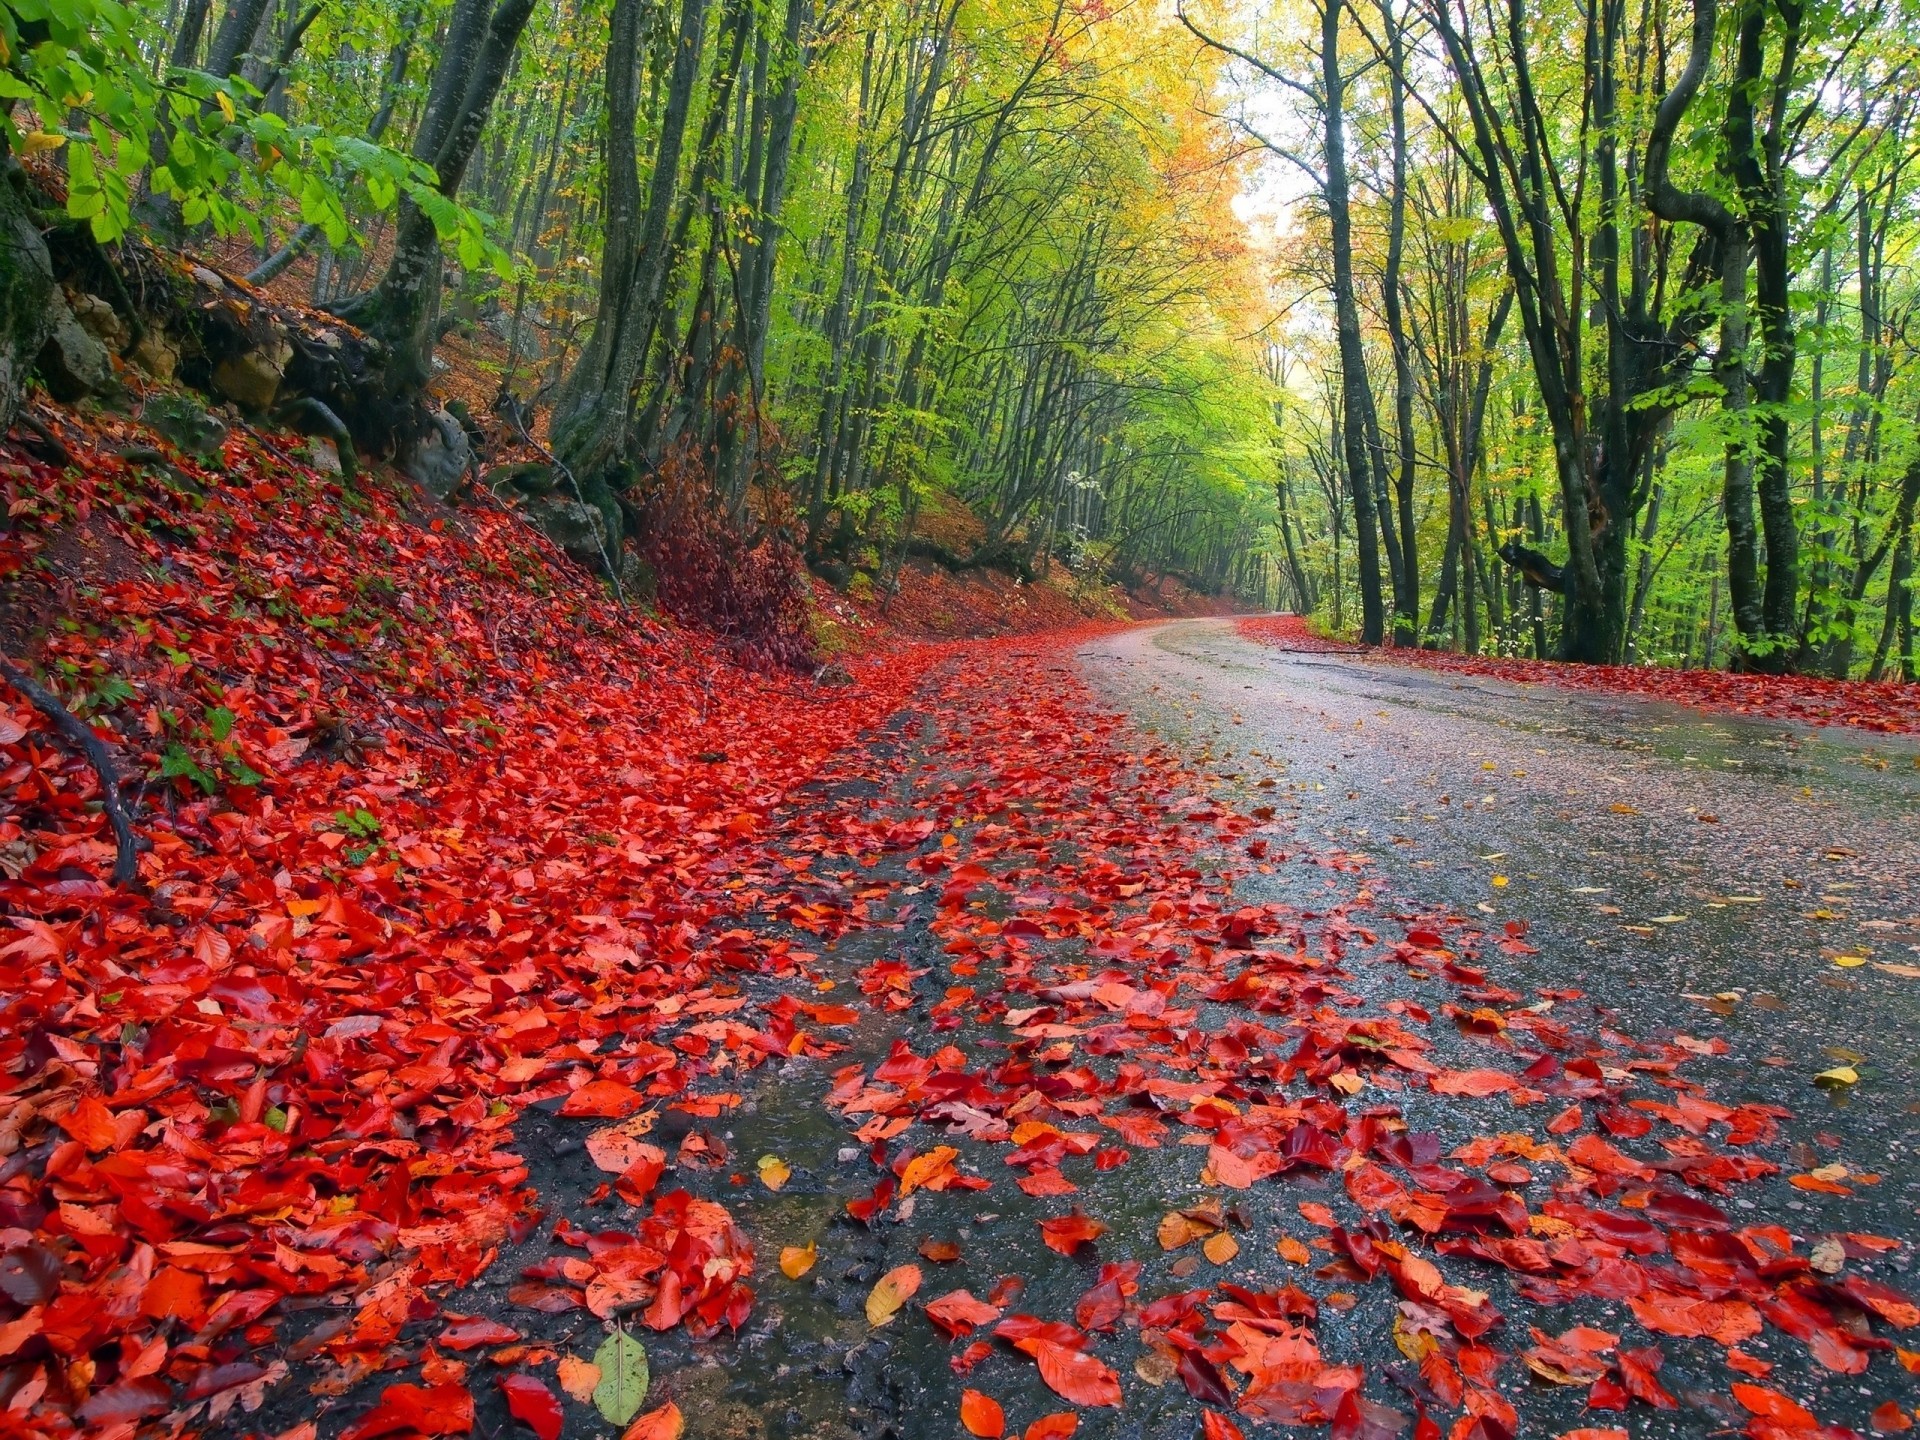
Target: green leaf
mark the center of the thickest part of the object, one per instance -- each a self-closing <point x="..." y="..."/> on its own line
<point x="623" y="1378"/>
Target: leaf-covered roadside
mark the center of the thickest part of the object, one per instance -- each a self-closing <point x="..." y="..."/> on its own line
<point x="434" y="835"/>
<point x="1888" y="706"/>
<point x="1366" y="1132"/>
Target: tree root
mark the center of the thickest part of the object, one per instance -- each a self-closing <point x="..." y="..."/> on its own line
<point x="80" y="736"/>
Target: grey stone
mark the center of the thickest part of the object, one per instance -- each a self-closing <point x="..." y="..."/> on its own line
<point x="441" y="460"/>
<point x="194" y="430"/>
<point x="27" y="292"/>
<point x="323" y="455"/>
<point x="72" y="362"/>
<point x="578" y="529"/>
<point x="638" y="584"/>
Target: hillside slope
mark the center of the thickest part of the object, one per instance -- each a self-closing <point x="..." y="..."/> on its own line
<point x="431" y="829"/>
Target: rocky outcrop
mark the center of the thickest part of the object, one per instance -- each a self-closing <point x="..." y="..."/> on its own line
<point x="71" y="362"/>
<point x="27" y="292"/>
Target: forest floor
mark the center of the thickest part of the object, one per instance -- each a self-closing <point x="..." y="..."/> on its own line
<point x="1115" y="1031"/>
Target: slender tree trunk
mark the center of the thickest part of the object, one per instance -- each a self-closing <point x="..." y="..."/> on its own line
<point x="1356" y="393"/>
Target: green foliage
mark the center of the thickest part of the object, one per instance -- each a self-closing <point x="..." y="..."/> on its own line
<point x="79" y="82"/>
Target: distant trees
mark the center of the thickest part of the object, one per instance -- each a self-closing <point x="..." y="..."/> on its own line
<point x="1663" y="201"/>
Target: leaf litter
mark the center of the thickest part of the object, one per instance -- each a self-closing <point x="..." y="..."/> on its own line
<point x="439" y="850"/>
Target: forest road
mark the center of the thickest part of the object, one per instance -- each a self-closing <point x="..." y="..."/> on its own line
<point x="1718" y="874"/>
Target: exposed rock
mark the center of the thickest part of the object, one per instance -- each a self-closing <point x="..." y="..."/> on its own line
<point x="72" y="362"/>
<point x="193" y="429"/>
<point x="577" y="529"/>
<point x="100" y="320"/>
<point x="440" y="462"/>
<point x="529" y="477"/>
<point x="252" y="379"/>
<point x="27" y="292"/>
<point x="638" y="584"/>
<point x="323" y="455"/>
<point x="157" y="355"/>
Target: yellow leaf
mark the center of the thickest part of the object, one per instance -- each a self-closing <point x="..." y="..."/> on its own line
<point x="923" y="1168"/>
<point x="1849" y="962"/>
<point x="1416" y="1345"/>
<point x="1839" y="1075"/>
<point x="797" y="1260"/>
<point x="1220" y="1248"/>
<point x="774" y="1172"/>
<point x="35" y="141"/>
<point x="226" y="105"/>
<point x="1620" y="809"/>
<point x="896" y="1287"/>
<point x="578" y="1377"/>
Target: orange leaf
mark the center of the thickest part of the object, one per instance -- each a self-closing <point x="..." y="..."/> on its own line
<point x="894" y="1289"/>
<point x="666" y="1423"/>
<point x="1077" y="1376"/>
<point x="797" y="1260"/>
<point x="982" y="1415"/>
<point x="1057" y="1426"/>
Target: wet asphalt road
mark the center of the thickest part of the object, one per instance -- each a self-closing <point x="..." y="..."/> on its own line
<point x="1699" y="872"/>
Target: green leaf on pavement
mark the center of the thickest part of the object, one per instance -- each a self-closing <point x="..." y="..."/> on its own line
<point x="623" y="1378"/>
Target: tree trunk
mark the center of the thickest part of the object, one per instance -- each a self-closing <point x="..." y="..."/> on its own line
<point x="1356" y="395"/>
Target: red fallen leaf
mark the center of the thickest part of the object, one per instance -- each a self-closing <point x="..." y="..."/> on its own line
<point x="866" y="1209"/>
<point x="941" y="1252"/>
<point x="963" y="1362"/>
<point x="1749" y="1364"/>
<point x="1472" y="1084"/>
<point x="531" y="1403"/>
<point x="1067" y="1233"/>
<point x="1202" y="1379"/>
<point x="1890" y="1418"/>
<point x="434" y="1410"/>
<point x="958" y="1312"/>
<point x="1025" y="1332"/>
<point x="982" y="1415"/>
<point x="1567" y="1121"/>
<point x="1057" y="1426"/>
<point x="1076" y="1376"/>
<point x="1639" y="1370"/>
<point x="547" y="1299"/>
<point x="1728" y="1321"/>
<point x="470" y="1332"/>
<point x="1359" y="1418"/>
<point x="1215" y="1426"/>
<point x="1883" y="1300"/>
<point x="1314" y="1213"/>
<point x="1770" y="1404"/>
<point x="91" y="1123"/>
<point x="602" y="1100"/>
<point x="1594" y="1433"/>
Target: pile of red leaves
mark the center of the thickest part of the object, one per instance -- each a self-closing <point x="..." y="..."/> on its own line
<point x="1102" y="994"/>
<point x="1888" y="707"/>
<point x="436" y="832"/>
